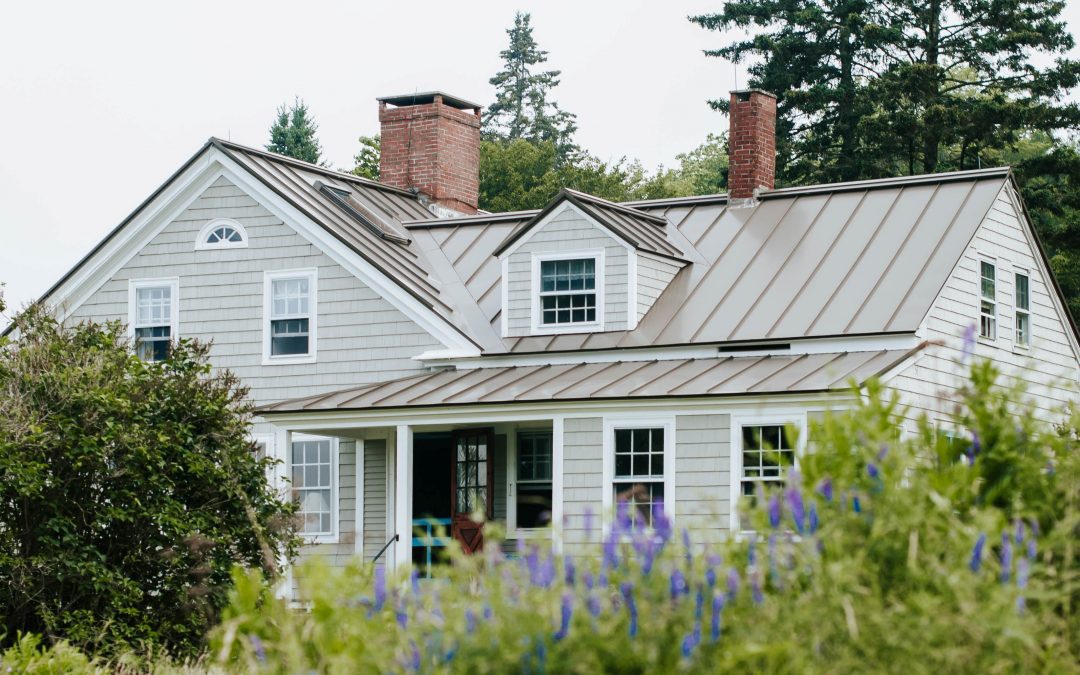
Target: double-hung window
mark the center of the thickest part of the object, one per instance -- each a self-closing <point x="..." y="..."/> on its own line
<point x="312" y="485"/>
<point x="153" y="315"/>
<point x="1023" y="310"/>
<point x="988" y="303"/>
<point x="638" y="477"/>
<point x="532" y="496"/>
<point x="568" y="292"/>
<point x="291" y="315"/>
<point x="768" y="453"/>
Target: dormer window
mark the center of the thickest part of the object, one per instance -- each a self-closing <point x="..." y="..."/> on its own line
<point x="568" y="291"/>
<point x="221" y="233"/>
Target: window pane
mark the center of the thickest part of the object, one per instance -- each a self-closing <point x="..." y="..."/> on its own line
<point x="1022" y="294"/>
<point x="622" y="440"/>
<point x="534" y="505"/>
<point x="289" y="337"/>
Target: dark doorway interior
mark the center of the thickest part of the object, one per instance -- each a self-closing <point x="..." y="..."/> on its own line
<point x="432" y="454"/>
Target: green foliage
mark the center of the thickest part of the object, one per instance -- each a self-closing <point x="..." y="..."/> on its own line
<point x="293" y="133"/>
<point x="367" y="160"/>
<point x="523" y="108"/>
<point x="128" y="490"/>
<point x="868" y="560"/>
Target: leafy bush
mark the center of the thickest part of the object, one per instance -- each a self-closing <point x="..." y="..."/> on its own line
<point x="128" y="491"/>
<point x="916" y="556"/>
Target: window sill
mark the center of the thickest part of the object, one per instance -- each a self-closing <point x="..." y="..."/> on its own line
<point x="567" y="328"/>
<point x="288" y="360"/>
<point x="313" y="539"/>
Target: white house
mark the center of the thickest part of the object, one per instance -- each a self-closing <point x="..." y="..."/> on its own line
<point x="415" y="358"/>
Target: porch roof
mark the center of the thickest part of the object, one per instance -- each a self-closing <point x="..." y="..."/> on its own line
<point x="679" y="378"/>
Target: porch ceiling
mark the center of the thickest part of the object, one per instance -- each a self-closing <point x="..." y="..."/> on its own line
<point x="722" y="376"/>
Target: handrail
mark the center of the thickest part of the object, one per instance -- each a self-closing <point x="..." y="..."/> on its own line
<point x="383" y="549"/>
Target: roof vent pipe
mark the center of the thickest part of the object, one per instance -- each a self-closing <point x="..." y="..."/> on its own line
<point x="751" y="145"/>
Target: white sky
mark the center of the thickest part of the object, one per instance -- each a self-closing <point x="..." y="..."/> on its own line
<point x="101" y="101"/>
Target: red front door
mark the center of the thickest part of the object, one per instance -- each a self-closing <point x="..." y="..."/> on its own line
<point x="471" y="486"/>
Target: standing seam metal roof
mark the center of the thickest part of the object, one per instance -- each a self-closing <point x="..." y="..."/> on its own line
<point x="684" y="378"/>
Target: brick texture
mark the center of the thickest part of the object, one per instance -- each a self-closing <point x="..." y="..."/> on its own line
<point x="434" y="148"/>
<point x="751" y="143"/>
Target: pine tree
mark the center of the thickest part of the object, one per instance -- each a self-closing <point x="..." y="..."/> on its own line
<point x="523" y="108"/>
<point x="293" y="133"/>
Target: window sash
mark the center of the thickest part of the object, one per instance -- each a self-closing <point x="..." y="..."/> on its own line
<point x="568" y="291"/>
<point x="153" y="306"/>
<point x="639" y="453"/>
<point x="290" y="298"/>
<point x="988" y="300"/>
<point x="311" y="471"/>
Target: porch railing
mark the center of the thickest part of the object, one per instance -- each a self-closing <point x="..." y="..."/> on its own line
<point x="425" y="537"/>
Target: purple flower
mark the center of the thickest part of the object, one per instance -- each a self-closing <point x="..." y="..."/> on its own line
<point x="688" y="645"/>
<point x="678" y="584"/>
<point x="402" y="617"/>
<point x="414" y="582"/>
<point x="380" y="587"/>
<point x="686" y="545"/>
<point x="470" y="621"/>
<point x="1019" y="536"/>
<point x="751" y="551"/>
<point x="588" y="523"/>
<point x="567" y="614"/>
<point x="661" y="522"/>
<point x="710" y="577"/>
<point x="755" y="588"/>
<point x="969" y="341"/>
<point x="414" y="664"/>
<point x="648" y="556"/>
<point x="628" y="597"/>
<point x="856" y="505"/>
<point x="717" y="608"/>
<point x="593" y="604"/>
<point x="883" y="452"/>
<point x="611" y="551"/>
<point x="532" y="563"/>
<point x="1023" y="572"/>
<point x="813" y="518"/>
<point x="622" y="516"/>
<point x="798" y="513"/>
<point x="977" y="553"/>
<point x="257" y="645"/>
<point x="732" y="583"/>
<point x="826" y="490"/>
<point x="774" y="511"/>
<point x="872" y="470"/>
<point x="588" y="579"/>
<point x="487" y="612"/>
<point x="976" y="446"/>
<point x="569" y="570"/>
<point x="547" y="572"/>
<point x="1031" y="549"/>
<point x="1006" y="557"/>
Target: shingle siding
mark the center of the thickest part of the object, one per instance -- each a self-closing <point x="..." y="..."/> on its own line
<point x="653" y="276"/>
<point x="361" y="336"/>
<point x="703" y="473"/>
<point x="583" y="474"/>
<point x="375" y="531"/>
<point x="1048" y="369"/>
<point x="568" y="230"/>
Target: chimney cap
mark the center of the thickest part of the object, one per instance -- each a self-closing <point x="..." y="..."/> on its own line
<point x="745" y="93"/>
<point x="425" y="97"/>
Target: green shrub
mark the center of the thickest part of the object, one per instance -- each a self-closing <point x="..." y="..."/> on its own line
<point x="917" y="556"/>
<point x="128" y="491"/>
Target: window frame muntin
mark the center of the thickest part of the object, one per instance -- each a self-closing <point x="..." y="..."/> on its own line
<point x="335" y="513"/>
<point x="797" y="419"/>
<point x="1017" y="311"/>
<point x="536" y="304"/>
<point x="204" y="233"/>
<point x="312" y="275"/>
<point x="173" y="284"/>
<point x="980" y="298"/>
<point x="642" y="420"/>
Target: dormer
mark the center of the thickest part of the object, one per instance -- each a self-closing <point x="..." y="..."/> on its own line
<point x="584" y="265"/>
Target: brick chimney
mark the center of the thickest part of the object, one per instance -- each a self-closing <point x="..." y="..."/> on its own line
<point x="431" y="143"/>
<point x="751" y="144"/>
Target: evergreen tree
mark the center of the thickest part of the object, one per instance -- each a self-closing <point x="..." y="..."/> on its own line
<point x="367" y="160"/>
<point x="293" y="133"/>
<point x="523" y="108"/>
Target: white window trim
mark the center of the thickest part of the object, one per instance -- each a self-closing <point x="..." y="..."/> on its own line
<point x="738" y="421"/>
<point x="1017" y="345"/>
<point x="174" y="304"/>
<point x="979" y="298"/>
<point x="267" y="439"/>
<point x="202" y="245"/>
<point x="640" y="421"/>
<point x="334" y="534"/>
<point x="312" y="275"/>
<point x="539" y="328"/>
<point x="512" y="529"/>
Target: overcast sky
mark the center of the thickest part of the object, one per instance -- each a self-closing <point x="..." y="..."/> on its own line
<point x="101" y="101"/>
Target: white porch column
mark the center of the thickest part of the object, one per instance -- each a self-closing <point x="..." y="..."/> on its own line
<point x="403" y="479"/>
<point x="557" y="481"/>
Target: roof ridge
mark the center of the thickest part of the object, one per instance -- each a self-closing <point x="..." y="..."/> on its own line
<point x="285" y="159"/>
<point x="600" y="201"/>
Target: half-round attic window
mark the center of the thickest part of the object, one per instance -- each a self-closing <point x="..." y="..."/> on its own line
<point x="221" y="233"/>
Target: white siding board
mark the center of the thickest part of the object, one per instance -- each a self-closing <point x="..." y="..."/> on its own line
<point x="702" y="465"/>
<point x="583" y="473"/>
<point x="1049" y="369"/>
